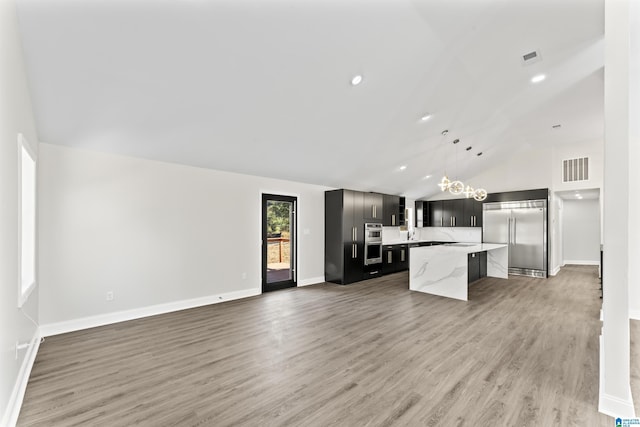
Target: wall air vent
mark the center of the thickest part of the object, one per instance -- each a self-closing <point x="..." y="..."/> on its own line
<point x="531" y="57"/>
<point x="575" y="169"/>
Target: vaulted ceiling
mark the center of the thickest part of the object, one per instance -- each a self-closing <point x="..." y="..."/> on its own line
<point x="263" y="87"/>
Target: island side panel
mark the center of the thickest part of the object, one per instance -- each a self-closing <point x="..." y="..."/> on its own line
<point x="438" y="272"/>
<point x="498" y="263"/>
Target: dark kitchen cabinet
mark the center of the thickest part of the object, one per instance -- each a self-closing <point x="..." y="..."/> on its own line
<point x="388" y="260"/>
<point x="395" y="258"/>
<point x="473" y="263"/>
<point x="373" y="207"/>
<point x="453" y="211"/>
<point x="422" y="214"/>
<point x="477" y="266"/>
<point x="401" y="211"/>
<point x="472" y="213"/>
<point x="344" y="236"/>
<point x="391" y="211"/>
<point x="436" y="213"/>
<point x="483" y="264"/>
<point x="403" y="257"/>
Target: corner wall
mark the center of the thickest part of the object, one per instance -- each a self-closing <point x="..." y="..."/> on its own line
<point x="634" y="156"/>
<point x="15" y="117"/>
<point x="615" y="394"/>
<point x="159" y="236"/>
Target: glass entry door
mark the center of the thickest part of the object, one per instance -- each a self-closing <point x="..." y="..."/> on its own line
<point x="278" y="242"/>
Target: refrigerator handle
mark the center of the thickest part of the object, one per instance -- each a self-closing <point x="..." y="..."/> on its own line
<point x="509" y="231"/>
<point x="514" y="231"/>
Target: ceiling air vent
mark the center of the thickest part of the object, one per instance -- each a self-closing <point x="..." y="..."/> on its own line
<point x="575" y="169"/>
<point x="531" y="57"/>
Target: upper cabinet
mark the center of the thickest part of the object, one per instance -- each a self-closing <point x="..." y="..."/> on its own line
<point x="472" y="213"/>
<point x="435" y="211"/>
<point x="373" y="207"/>
<point x="391" y="209"/>
<point x="453" y="213"/>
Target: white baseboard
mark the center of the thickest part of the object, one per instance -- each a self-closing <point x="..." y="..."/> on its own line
<point x="616" y="407"/>
<point x="581" y="262"/>
<point x="613" y="405"/>
<point x="10" y="417"/>
<point x="634" y="314"/>
<point x="311" y="281"/>
<point x="555" y="271"/>
<point x="137" y="313"/>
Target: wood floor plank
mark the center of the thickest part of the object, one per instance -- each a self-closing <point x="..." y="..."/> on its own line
<point x="519" y="352"/>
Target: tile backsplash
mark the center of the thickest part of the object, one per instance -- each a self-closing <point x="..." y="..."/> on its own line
<point x="436" y="234"/>
<point x="450" y="234"/>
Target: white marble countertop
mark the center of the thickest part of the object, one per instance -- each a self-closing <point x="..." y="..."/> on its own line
<point x="464" y="247"/>
<point x="404" y="242"/>
<point x="443" y="269"/>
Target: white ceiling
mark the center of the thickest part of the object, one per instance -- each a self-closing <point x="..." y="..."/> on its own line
<point x="263" y="86"/>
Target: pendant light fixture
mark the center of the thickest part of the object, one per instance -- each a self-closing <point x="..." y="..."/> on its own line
<point x="457" y="187"/>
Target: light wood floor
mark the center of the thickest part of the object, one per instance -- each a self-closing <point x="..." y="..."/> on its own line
<point x="522" y="352"/>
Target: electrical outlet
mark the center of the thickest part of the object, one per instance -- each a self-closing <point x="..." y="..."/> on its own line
<point x="110" y="296"/>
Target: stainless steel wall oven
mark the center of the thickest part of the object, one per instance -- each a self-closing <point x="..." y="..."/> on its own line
<point x="372" y="243"/>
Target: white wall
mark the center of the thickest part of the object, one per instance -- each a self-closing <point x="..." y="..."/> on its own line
<point x="154" y="234"/>
<point x="556" y="231"/>
<point x="634" y="157"/>
<point x="581" y="231"/>
<point x="15" y="117"/>
<point x="615" y="395"/>
<point x="592" y="149"/>
<point x="525" y="170"/>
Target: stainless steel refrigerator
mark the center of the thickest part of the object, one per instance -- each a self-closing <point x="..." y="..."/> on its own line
<point x="523" y="226"/>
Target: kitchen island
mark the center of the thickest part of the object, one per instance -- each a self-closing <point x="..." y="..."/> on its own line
<point x="443" y="270"/>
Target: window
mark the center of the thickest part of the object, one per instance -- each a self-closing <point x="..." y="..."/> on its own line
<point x="27" y="220"/>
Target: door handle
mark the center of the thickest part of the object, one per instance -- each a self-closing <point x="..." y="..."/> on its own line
<point x="393" y="219"/>
<point x="442" y="222"/>
<point x="514" y="231"/>
<point x="402" y="255"/>
<point x="389" y="259"/>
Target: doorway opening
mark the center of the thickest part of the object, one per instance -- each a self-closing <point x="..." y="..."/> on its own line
<point x="279" y="242"/>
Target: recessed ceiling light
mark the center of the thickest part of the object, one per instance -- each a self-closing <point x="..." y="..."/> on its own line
<point x="403" y="167"/>
<point x="469" y="148"/>
<point x="427" y="177"/>
<point x="538" y="78"/>
<point x="425" y="117"/>
<point x="479" y="154"/>
<point x="558" y="126"/>
<point x="444" y="132"/>
<point x="356" y="80"/>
